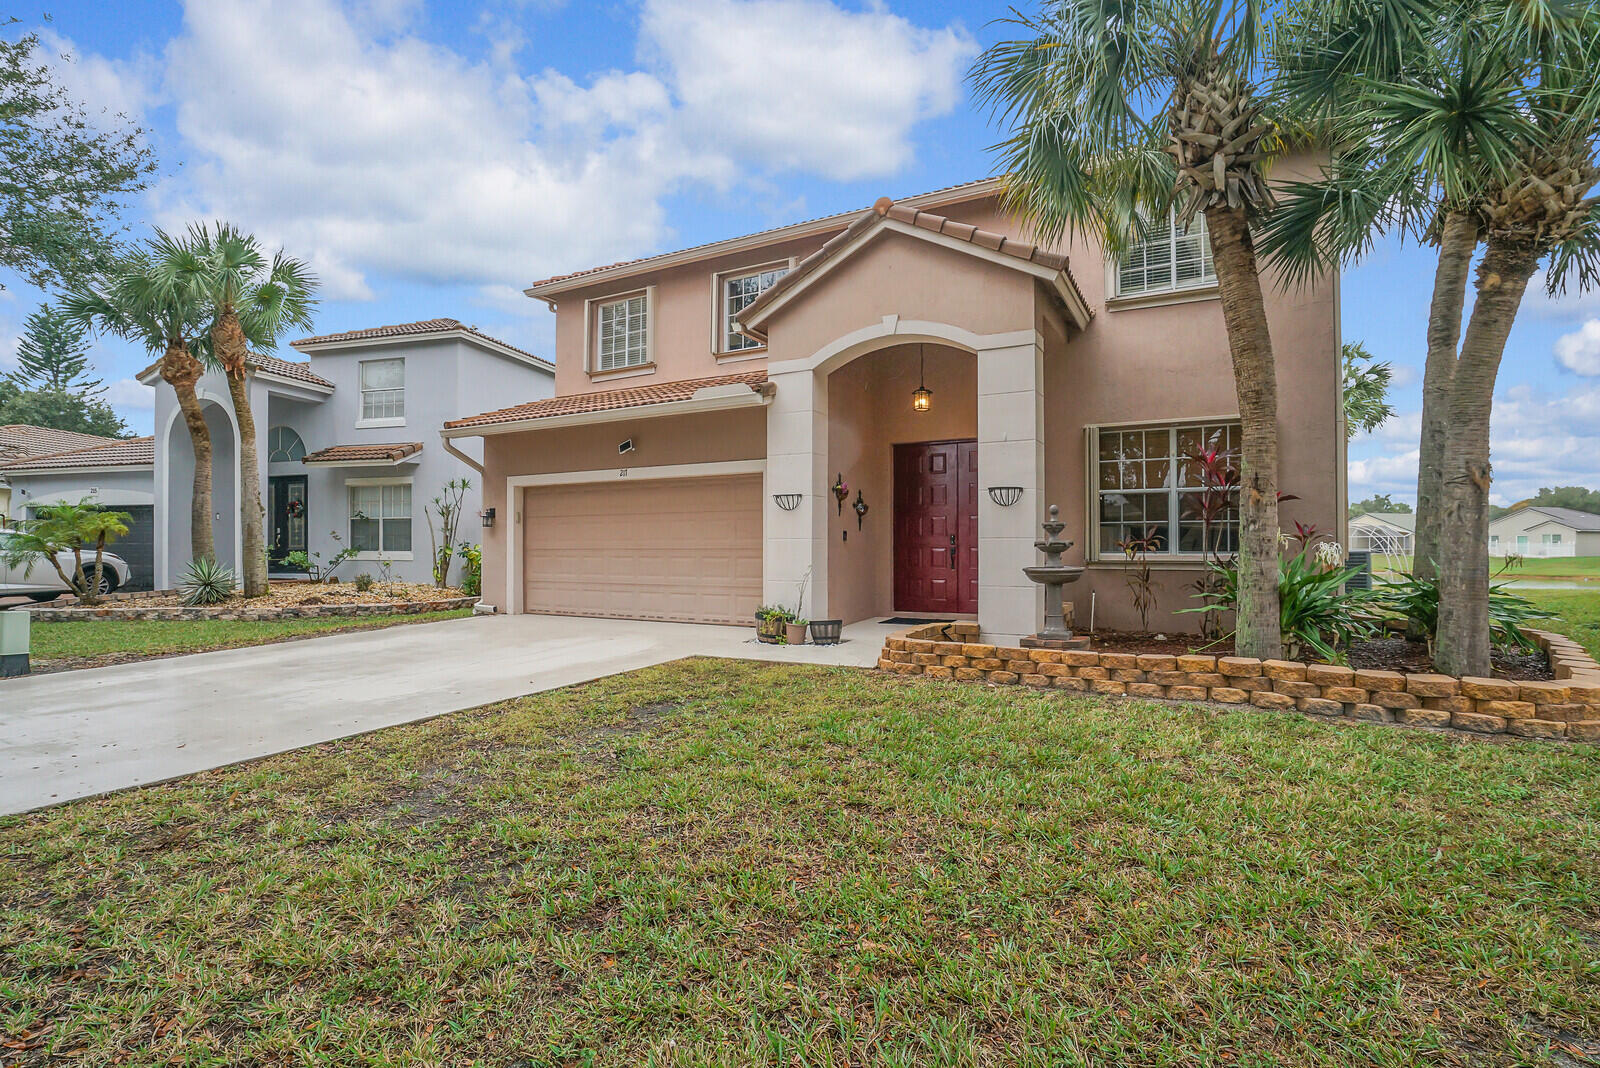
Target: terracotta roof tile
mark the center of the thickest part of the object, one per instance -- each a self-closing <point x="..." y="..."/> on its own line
<point x="21" y="439"/>
<point x="344" y="454"/>
<point x="118" y="452"/>
<point x="298" y="371"/>
<point x="421" y="326"/>
<point x="638" y="396"/>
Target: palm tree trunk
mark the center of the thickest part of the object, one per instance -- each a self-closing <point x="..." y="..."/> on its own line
<point x="1458" y="239"/>
<point x="1463" y="642"/>
<point x="182" y="370"/>
<point x="1255" y="380"/>
<point x="229" y="344"/>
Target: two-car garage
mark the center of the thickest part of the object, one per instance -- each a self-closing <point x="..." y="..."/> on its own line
<point x="680" y="549"/>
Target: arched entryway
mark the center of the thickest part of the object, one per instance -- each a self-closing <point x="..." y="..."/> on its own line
<point x="174" y="549"/>
<point x="915" y="467"/>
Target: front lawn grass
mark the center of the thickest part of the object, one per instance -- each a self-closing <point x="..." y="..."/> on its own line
<point x="741" y="863"/>
<point x="1579" y="611"/>
<point x="115" y="640"/>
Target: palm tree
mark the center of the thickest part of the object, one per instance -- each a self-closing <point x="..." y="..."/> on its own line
<point x="251" y="303"/>
<point x="1466" y="124"/>
<point x="1120" y="112"/>
<point x="61" y="530"/>
<point x="147" y="297"/>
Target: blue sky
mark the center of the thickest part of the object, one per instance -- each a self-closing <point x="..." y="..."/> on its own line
<point x="433" y="158"/>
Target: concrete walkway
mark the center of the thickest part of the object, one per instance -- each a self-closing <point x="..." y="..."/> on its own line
<point x="74" y="734"/>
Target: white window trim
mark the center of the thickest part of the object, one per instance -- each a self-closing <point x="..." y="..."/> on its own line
<point x="1150" y="298"/>
<point x="395" y="557"/>
<point x="719" y="319"/>
<point x="363" y="423"/>
<point x="1091" y="482"/>
<point x="591" y="335"/>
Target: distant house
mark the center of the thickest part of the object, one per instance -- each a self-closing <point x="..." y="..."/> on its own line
<point x="1384" y="532"/>
<point x="40" y="466"/>
<point x="1541" y="530"/>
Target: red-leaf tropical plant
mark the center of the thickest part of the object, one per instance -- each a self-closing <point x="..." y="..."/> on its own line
<point x="1140" y="580"/>
<point x="1121" y="111"/>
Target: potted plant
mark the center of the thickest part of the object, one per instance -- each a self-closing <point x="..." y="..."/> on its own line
<point x="770" y="621"/>
<point x="794" y="631"/>
<point x="826" y="631"/>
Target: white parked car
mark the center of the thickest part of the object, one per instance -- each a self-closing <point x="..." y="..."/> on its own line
<point x="35" y="577"/>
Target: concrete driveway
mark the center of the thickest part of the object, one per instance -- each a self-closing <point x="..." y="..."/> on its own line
<point x="74" y="734"/>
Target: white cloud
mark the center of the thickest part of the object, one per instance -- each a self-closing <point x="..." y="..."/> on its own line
<point x="370" y="151"/>
<point x="803" y="84"/>
<point x="1566" y="305"/>
<point x="1579" y="351"/>
<point x="127" y="394"/>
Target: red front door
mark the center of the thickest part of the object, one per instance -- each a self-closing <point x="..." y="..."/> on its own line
<point x="936" y="527"/>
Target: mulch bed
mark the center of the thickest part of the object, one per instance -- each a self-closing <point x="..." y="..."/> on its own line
<point x="1382" y="654"/>
<point x="281" y="594"/>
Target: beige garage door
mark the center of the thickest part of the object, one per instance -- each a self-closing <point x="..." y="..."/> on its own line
<point x="680" y="549"/>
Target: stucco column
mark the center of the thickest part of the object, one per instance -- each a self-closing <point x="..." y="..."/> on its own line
<point x="797" y="457"/>
<point x="1010" y="453"/>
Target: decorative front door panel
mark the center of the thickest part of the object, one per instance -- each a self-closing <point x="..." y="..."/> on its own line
<point x="287" y="504"/>
<point x="936" y="527"/>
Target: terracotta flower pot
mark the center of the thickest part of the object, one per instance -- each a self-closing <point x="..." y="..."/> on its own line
<point x="795" y="633"/>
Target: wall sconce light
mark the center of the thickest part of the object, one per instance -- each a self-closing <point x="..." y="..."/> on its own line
<point x="861" y="509"/>
<point x="1005" y="496"/>
<point x="487" y="515"/>
<point x="841" y="492"/>
<point x="922" y="396"/>
<point x="787" y="501"/>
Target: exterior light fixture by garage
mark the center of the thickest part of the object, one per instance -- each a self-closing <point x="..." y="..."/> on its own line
<point x="487" y="515"/>
<point x="1005" y="496"/>
<point x="922" y="396"/>
<point x="841" y="492"/>
<point x="787" y="501"/>
<point x="861" y="509"/>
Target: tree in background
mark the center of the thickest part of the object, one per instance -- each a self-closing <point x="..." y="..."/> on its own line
<point x="54" y="354"/>
<point x="250" y="301"/>
<point x="50" y="386"/>
<point x="1366" y="390"/>
<point x="149" y="296"/>
<point x="1378" y="502"/>
<point x="62" y="180"/>
<point x="1578" y="498"/>
<point x="1121" y="113"/>
<point x="59" y="411"/>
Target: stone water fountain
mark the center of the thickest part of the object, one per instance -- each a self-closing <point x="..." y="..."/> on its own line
<point x="1052" y="575"/>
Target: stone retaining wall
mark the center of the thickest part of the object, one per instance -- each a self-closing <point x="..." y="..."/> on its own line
<point x="47" y="614"/>
<point x="1568" y="707"/>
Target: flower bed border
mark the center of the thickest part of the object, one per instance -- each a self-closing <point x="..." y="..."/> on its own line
<point x="148" y="613"/>
<point x="1568" y="707"/>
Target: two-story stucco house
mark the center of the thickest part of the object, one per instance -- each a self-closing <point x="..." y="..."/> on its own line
<point x="926" y="354"/>
<point x="349" y="447"/>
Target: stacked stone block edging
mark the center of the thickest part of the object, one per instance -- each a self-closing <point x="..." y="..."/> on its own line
<point x="1568" y="707"/>
<point x="47" y="614"/>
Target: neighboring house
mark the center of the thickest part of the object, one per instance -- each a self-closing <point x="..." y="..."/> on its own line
<point x="18" y="441"/>
<point x="115" y="472"/>
<point x="1384" y="532"/>
<point x="1540" y="530"/>
<point x="958" y="377"/>
<point x="349" y="453"/>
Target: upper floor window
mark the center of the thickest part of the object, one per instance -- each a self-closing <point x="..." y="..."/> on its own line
<point x="383" y="389"/>
<point x="1168" y="259"/>
<point x="624" y="333"/>
<point x="1148" y="486"/>
<point x="284" y="445"/>
<point x="739" y="291"/>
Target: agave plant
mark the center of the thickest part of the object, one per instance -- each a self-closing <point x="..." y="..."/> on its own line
<point x="206" y="582"/>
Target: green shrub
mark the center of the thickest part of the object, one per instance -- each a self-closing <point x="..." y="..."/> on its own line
<point x="206" y="582"/>
<point x="1315" y="611"/>
<point x="471" y="569"/>
<point x="363" y="582"/>
<point x="1416" y="600"/>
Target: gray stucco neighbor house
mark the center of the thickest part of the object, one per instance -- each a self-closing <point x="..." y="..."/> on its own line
<point x="349" y="444"/>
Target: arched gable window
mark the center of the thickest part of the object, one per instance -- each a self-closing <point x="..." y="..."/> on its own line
<point x="284" y="445"/>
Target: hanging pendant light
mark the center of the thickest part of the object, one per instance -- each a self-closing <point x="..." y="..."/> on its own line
<point x="922" y="396"/>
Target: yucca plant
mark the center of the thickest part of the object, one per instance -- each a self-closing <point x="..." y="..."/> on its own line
<point x="205" y="582"/>
<point x="1415" y="598"/>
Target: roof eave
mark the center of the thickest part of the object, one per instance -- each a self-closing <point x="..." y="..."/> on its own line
<point x="752" y="398"/>
<point x="546" y="291"/>
<point x="314" y="348"/>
